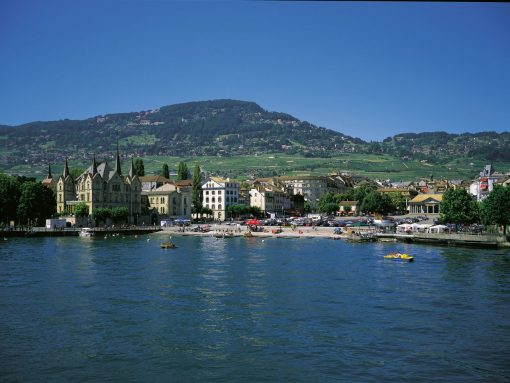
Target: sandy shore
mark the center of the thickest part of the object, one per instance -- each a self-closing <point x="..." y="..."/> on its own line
<point x="269" y="231"/>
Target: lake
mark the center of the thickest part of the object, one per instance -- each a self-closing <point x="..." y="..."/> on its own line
<point x="251" y="310"/>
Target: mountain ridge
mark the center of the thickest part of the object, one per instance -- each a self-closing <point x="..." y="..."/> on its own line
<point x="225" y="127"/>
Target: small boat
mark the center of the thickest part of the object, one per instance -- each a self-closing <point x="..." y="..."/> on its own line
<point x="168" y="244"/>
<point x="223" y="235"/>
<point x="86" y="232"/>
<point x="402" y="256"/>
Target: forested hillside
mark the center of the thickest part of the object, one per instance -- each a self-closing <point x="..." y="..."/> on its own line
<point x="223" y="128"/>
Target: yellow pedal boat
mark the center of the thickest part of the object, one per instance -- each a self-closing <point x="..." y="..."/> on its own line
<point x="402" y="256"/>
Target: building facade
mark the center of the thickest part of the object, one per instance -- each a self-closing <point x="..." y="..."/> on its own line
<point x="484" y="184"/>
<point x="218" y="194"/>
<point x="100" y="187"/>
<point x="171" y="200"/>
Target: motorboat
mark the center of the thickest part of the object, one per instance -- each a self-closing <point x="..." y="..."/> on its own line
<point x="401" y="256"/>
<point x="86" y="232"/>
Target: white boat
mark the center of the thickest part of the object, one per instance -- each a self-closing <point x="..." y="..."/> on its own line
<point x="86" y="232"/>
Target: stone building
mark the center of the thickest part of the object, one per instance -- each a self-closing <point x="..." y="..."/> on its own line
<point x="100" y="187"/>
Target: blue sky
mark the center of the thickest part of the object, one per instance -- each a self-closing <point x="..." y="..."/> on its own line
<point x="369" y="70"/>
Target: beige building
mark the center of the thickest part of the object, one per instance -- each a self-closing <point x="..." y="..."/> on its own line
<point x="269" y="199"/>
<point x="218" y="194"/>
<point x="426" y="204"/>
<point x="100" y="187"/>
<point x="171" y="200"/>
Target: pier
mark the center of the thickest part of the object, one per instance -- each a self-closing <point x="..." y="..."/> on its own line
<point x="74" y="232"/>
<point x="469" y="240"/>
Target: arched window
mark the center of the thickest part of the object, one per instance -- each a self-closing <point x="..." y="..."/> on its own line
<point x="219" y="206"/>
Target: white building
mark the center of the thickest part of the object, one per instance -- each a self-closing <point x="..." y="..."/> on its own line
<point x="484" y="184"/>
<point x="218" y="194"/>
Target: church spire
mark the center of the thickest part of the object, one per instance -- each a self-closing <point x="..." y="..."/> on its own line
<point x="132" y="171"/>
<point x="117" y="161"/>
<point x="49" y="172"/>
<point x="94" y="165"/>
<point x="66" y="170"/>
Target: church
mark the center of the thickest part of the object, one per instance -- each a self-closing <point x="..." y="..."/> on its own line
<point x="100" y="187"/>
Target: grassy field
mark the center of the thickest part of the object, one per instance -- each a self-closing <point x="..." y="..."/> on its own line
<point x="242" y="167"/>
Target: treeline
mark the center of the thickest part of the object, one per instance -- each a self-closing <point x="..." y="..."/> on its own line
<point x="368" y="200"/>
<point x="25" y="201"/>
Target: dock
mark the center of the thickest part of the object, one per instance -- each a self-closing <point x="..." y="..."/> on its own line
<point x="463" y="240"/>
<point x="36" y="232"/>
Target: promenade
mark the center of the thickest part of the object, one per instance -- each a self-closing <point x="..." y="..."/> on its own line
<point x="442" y="239"/>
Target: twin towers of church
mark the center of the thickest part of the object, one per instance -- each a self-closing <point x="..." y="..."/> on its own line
<point x="100" y="187"/>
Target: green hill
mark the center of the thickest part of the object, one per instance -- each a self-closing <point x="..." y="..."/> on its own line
<point x="226" y="128"/>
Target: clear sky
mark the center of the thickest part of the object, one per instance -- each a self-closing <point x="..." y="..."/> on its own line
<point x="369" y="70"/>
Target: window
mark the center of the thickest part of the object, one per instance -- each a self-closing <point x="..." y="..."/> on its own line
<point x="219" y="199"/>
<point x="219" y="206"/>
<point x="207" y="192"/>
<point x="213" y="199"/>
<point x="206" y="199"/>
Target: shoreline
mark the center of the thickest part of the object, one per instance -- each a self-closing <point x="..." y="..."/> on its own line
<point x="460" y="240"/>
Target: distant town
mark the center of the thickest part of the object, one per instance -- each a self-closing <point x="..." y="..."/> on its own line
<point x="107" y="194"/>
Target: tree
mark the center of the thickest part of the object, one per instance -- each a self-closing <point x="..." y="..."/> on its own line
<point x="182" y="172"/>
<point x="165" y="172"/>
<point x="207" y="211"/>
<point x="458" y="207"/>
<point x="495" y="209"/>
<point x="76" y="172"/>
<point x="329" y="208"/>
<point x="119" y="214"/>
<point x="238" y="210"/>
<point x="139" y="168"/>
<point x="196" y="194"/>
<point x="255" y="211"/>
<point x="399" y="203"/>
<point x="101" y="214"/>
<point x="9" y="197"/>
<point x="81" y="210"/>
<point x="363" y="189"/>
<point x="36" y="203"/>
<point x="375" y="202"/>
<point x="328" y="203"/>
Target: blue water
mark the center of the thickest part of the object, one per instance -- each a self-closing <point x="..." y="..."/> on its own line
<point x="251" y="310"/>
